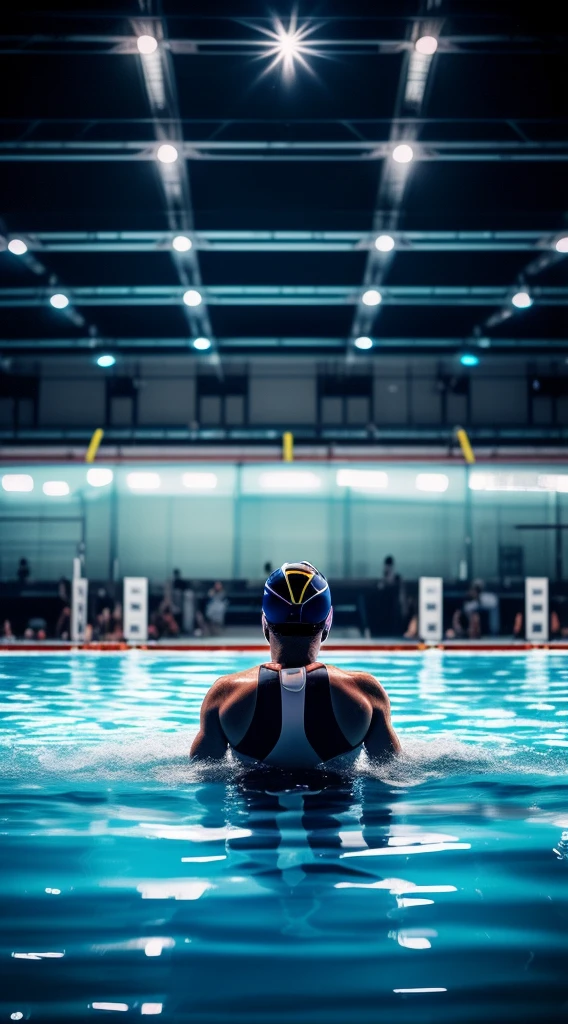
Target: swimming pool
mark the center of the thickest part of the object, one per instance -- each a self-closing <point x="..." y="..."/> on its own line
<point x="134" y="883"/>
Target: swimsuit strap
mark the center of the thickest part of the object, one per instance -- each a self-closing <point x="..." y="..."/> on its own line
<point x="264" y="730"/>
<point x="320" y="723"/>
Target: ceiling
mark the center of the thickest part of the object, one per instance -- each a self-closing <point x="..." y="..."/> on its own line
<point x="284" y="178"/>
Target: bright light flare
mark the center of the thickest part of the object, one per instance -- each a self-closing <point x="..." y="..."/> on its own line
<point x="167" y="154"/>
<point x="426" y="45"/>
<point x="59" y="301"/>
<point x="192" y="297"/>
<point x="106" y="361"/>
<point x="17" y="482"/>
<point x="288" y="46"/>
<point x="202" y="344"/>
<point x="363" y="479"/>
<point x="384" y="243"/>
<point x="290" y="481"/>
<point x="143" y="481"/>
<point x="147" y="44"/>
<point x="182" y="243"/>
<point x="363" y="343"/>
<point x="561" y="245"/>
<point x="18" y="247"/>
<point x="402" y="154"/>
<point x="522" y="300"/>
<point x="55" y="489"/>
<point x="199" y="481"/>
<point x="372" y="297"/>
<point x="99" y="477"/>
<point x="434" y="482"/>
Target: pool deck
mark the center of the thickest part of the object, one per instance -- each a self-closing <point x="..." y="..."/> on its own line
<point x="244" y="640"/>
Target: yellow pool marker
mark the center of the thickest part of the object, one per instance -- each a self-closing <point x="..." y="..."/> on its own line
<point x="465" y="446"/>
<point x="94" y="445"/>
<point x="288" y="446"/>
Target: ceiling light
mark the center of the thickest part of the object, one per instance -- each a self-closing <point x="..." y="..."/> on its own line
<point x="59" y="301"/>
<point x="182" y="243"/>
<point x="522" y="300"/>
<point x="384" y="243"/>
<point x="468" y="359"/>
<point x="98" y="477"/>
<point x="202" y="344"/>
<point x="372" y="297"/>
<point x="403" y="154"/>
<point x="147" y="44"/>
<point x="17" y="482"/>
<point x="143" y="481"/>
<point x="363" y="343"/>
<point x="192" y="297"/>
<point x="167" y="154"/>
<point x="199" y="481"/>
<point x="426" y="45"/>
<point x="105" y="361"/>
<point x="363" y="479"/>
<point x="55" y="488"/>
<point x="17" y="246"/>
<point x="484" y="342"/>
<point x="150" y="1008"/>
<point x="562" y="244"/>
<point x="290" y="480"/>
<point x="437" y="482"/>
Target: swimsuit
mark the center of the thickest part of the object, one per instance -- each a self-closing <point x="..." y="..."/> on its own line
<point x="294" y="724"/>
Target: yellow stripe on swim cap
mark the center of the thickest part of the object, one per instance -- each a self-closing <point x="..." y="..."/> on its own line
<point x="298" y="572"/>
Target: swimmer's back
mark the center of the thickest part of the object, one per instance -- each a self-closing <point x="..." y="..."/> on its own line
<point x="343" y="710"/>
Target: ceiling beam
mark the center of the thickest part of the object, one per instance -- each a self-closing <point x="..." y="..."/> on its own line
<point x="288" y="241"/>
<point x="262" y="150"/>
<point x="284" y="295"/>
<point x="180" y="346"/>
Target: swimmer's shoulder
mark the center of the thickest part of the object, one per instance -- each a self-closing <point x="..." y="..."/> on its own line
<point x="357" y="684"/>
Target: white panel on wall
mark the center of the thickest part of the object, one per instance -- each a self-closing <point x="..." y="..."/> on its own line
<point x="71" y="402"/>
<point x="536" y="608"/>
<point x="286" y="401"/>
<point x="135" y="608"/>
<point x="431" y="608"/>
<point x="79" y="608"/>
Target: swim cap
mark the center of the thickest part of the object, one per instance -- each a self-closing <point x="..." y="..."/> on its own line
<point x="297" y="600"/>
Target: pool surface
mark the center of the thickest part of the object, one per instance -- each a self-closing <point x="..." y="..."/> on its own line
<point x="136" y="884"/>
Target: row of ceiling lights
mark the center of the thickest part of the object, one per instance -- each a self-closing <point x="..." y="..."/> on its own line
<point x="279" y="480"/>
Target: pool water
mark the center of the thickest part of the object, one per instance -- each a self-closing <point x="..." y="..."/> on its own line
<point x="133" y="883"/>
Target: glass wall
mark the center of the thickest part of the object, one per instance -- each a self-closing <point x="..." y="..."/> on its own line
<point x="229" y="520"/>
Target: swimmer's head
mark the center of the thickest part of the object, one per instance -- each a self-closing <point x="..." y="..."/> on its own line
<point x="296" y="612"/>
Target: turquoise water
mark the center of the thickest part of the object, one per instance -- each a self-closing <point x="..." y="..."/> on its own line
<point x="432" y="890"/>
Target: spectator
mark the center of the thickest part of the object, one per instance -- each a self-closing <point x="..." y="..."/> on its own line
<point x="7" y="636"/>
<point x="63" y="624"/>
<point x="466" y="621"/>
<point x="23" y="572"/>
<point x="163" y="622"/>
<point x="391" y="609"/>
<point x="556" y="630"/>
<point x="64" y="589"/>
<point x="411" y="630"/>
<point x="211" y="624"/>
<point x="36" y="629"/>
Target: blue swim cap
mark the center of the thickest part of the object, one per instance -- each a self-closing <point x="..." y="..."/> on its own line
<point x="297" y="600"/>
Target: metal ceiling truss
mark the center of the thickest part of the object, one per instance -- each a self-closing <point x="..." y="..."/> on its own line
<point x="282" y="150"/>
<point x="284" y="295"/>
<point x="120" y="45"/>
<point x="179" y="346"/>
<point x="158" y="75"/>
<point x="288" y="241"/>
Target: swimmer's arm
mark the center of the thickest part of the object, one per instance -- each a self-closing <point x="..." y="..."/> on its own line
<point x="381" y="738"/>
<point x="211" y="740"/>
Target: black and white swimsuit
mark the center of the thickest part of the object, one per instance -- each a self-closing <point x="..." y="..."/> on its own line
<point x="294" y="724"/>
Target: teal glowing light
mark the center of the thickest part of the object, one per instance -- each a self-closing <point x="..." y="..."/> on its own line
<point x="468" y="359"/>
<point x="106" y="361"/>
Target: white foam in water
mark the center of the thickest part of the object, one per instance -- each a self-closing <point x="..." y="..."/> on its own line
<point x="163" y="758"/>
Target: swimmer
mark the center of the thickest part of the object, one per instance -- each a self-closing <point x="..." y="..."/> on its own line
<point x="295" y="712"/>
